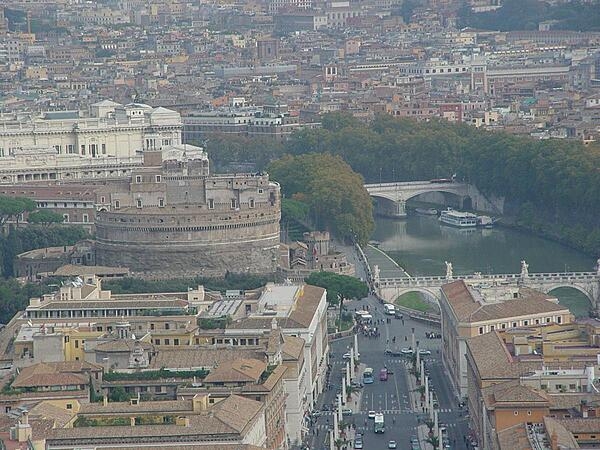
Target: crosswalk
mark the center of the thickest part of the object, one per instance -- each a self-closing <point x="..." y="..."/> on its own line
<point x="386" y="412"/>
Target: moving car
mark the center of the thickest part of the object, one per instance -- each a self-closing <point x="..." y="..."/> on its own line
<point x="358" y="443"/>
<point x="424" y="351"/>
<point x="346" y="412"/>
<point x="371" y="414"/>
<point x="383" y="374"/>
<point x="407" y="351"/>
<point x="392" y="352"/>
<point x="392" y="444"/>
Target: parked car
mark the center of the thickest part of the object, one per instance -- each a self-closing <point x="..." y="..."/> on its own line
<point x="407" y="351"/>
<point x="371" y="414"/>
<point x="358" y="443"/>
<point x="392" y="352"/>
<point x="346" y="412"/>
<point x="424" y="351"/>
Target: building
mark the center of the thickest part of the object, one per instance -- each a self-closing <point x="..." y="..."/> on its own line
<point x="68" y="145"/>
<point x="234" y="420"/>
<point x="471" y="311"/>
<point x="171" y="218"/>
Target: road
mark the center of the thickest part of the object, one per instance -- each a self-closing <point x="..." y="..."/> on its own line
<point x="392" y="396"/>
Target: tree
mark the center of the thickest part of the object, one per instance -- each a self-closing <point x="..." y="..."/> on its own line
<point x="13" y="207"/>
<point x="118" y="394"/>
<point x="44" y="217"/>
<point x="344" y="286"/>
<point x="434" y="441"/>
<point x="335" y="194"/>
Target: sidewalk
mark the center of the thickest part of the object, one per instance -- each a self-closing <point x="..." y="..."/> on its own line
<point x="415" y="402"/>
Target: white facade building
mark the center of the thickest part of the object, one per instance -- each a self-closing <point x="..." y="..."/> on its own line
<point x="64" y="145"/>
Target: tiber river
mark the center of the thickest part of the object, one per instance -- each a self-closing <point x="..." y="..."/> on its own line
<point x="421" y="245"/>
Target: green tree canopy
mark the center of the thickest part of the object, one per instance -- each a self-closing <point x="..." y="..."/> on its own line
<point x="334" y="192"/>
<point x="13" y="207"/>
<point x="346" y="287"/>
<point x="44" y="217"/>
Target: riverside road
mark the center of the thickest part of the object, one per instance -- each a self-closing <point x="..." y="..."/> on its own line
<point x="391" y="397"/>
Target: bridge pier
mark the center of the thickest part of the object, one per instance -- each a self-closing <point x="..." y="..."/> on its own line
<point x="391" y="208"/>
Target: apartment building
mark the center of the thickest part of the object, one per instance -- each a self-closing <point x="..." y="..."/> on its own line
<point x="468" y="311"/>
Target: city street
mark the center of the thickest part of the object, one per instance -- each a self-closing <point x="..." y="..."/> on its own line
<point x="391" y="397"/>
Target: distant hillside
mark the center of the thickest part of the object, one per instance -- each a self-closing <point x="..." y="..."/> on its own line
<point x="527" y="14"/>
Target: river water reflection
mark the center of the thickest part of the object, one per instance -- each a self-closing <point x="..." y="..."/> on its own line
<point x="421" y="245"/>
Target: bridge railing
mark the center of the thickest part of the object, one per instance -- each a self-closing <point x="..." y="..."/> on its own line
<point x="510" y="277"/>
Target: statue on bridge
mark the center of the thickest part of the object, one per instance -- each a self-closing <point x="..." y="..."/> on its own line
<point x="449" y="271"/>
<point x="376" y="274"/>
<point x="524" y="269"/>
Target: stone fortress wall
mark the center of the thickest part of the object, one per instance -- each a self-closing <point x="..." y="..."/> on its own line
<point x="174" y="219"/>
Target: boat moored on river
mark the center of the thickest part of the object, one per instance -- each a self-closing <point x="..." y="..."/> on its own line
<point x="459" y="219"/>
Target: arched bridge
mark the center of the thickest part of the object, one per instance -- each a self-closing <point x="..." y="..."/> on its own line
<point x="587" y="283"/>
<point x="393" y="196"/>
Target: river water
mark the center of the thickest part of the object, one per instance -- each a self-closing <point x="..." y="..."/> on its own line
<point x="421" y="245"/>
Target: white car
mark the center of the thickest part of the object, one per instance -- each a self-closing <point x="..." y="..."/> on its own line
<point x="424" y="351"/>
<point x="347" y="355"/>
<point x="392" y="444"/>
<point x="371" y="414"/>
<point x="407" y="351"/>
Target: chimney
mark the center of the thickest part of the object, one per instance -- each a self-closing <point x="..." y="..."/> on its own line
<point x="200" y="402"/>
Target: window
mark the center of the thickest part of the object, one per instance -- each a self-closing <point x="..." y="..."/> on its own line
<point x="480" y="330"/>
<point x="102" y="199"/>
<point x="139" y="202"/>
<point x="492" y="327"/>
<point x="514" y="324"/>
<point x="85" y="218"/>
<point x="167" y="342"/>
<point x="547" y="319"/>
<point x="251" y="203"/>
<point x="526" y="322"/>
<point x="528" y="413"/>
<point x="76" y="343"/>
<point x="503" y="326"/>
<point x="152" y="326"/>
<point x="117" y="204"/>
<point x="161" y="202"/>
<point x="167" y="326"/>
<point x="158" y="178"/>
<point x="572" y="387"/>
<point x="559" y="319"/>
<point x="516" y="413"/>
<point x="260" y="191"/>
<point x="211" y="203"/>
<point x="175" y="341"/>
<point x="157" y="341"/>
<point x="233" y="203"/>
<point x="138" y="178"/>
<point x="104" y="149"/>
<point x="83" y="149"/>
<point x="65" y="217"/>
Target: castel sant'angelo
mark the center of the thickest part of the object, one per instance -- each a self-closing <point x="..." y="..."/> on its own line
<point x="171" y="217"/>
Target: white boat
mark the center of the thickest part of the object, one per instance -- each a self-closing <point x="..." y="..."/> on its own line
<point x="458" y="219"/>
<point x="485" y="221"/>
<point x="427" y="211"/>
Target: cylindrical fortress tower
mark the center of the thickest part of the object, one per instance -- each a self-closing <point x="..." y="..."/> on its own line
<point x="174" y="220"/>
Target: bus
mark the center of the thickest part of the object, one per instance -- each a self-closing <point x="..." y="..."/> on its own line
<point x="389" y="309"/>
<point x="379" y="425"/>
<point x="368" y="376"/>
<point x="363" y="317"/>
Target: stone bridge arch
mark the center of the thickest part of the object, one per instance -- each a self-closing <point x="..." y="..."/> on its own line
<point x="584" y="289"/>
<point x="390" y="294"/>
<point x="388" y="206"/>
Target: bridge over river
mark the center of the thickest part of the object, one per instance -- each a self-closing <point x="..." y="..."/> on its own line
<point x="391" y="197"/>
<point x="390" y="288"/>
